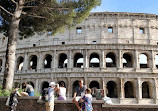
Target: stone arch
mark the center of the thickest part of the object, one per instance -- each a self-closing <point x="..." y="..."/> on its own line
<point x="44" y="85"/>
<point x="129" y="91"/>
<point x="156" y="61"/>
<point x="145" y="90"/>
<point x="94" y="60"/>
<point x="1" y="65"/>
<point x="112" y="89"/>
<point x="47" y="61"/>
<point x="143" y="60"/>
<point x="127" y="60"/>
<point x="78" y="60"/>
<point x="110" y="59"/>
<point x="20" y="63"/>
<point x="75" y="84"/>
<point x="62" y="61"/>
<point x="33" y="62"/>
<point x="94" y="85"/>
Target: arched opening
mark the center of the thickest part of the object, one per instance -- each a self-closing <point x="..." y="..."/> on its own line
<point x="78" y="60"/>
<point x="94" y="85"/>
<point x="47" y="61"/>
<point x="145" y="90"/>
<point x="44" y="85"/>
<point x="94" y="60"/>
<point x="75" y="84"/>
<point x="156" y="61"/>
<point x="62" y="82"/>
<point x="128" y="88"/>
<point x="33" y="62"/>
<point x="62" y="61"/>
<point x="1" y="65"/>
<point x="127" y="60"/>
<point x="143" y="61"/>
<point x="110" y="60"/>
<point x="20" y="63"/>
<point x="112" y="89"/>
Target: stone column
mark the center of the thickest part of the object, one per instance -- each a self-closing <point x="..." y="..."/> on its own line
<point x="26" y="62"/>
<point x="40" y="61"/>
<point x="122" y="95"/>
<point x="102" y="62"/>
<point x="104" y="87"/>
<point x="86" y="60"/>
<point x="69" y="92"/>
<point x="52" y="63"/>
<point x="139" y="90"/>
<point x="3" y="64"/>
<point x="156" y="91"/>
<point x="70" y="60"/>
<point x="152" y="61"/>
<point x="86" y="82"/>
<point x="136" y="58"/>
<point x="119" y="60"/>
<point x="36" y="86"/>
<point x="55" y="60"/>
<point x="148" y="33"/>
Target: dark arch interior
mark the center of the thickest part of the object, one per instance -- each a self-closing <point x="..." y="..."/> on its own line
<point x="111" y="55"/>
<point x="0" y="65"/>
<point x="19" y="61"/>
<point x="34" y="62"/>
<point x="129" y="92"/>
<point x="47" y="61"/>
<point x="62" y="58"/>
<point x="94" y="85"/>
<point x="75" y="84"/>
<point x="44" y="85"/>
<point x="112" y="89"/>
<point x="128" y="58"/>
<point x="77" y="57"/>
<point x="145" y="90"/>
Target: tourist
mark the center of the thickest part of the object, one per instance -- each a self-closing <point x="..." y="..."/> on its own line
<point x="23" y="86"/>
<point x="50" y="103"/>
<point x="61" y="92"/>
<point x="77" y="94"/>
<point x="13" y="98"/>
<point x="29" y="89"/>
<point x="87" y="101"/>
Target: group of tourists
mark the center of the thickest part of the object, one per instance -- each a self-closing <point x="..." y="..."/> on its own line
<point x="82" y="96"/>
<point x="27" y="90"/>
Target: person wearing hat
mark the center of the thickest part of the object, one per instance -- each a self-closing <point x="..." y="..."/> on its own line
<point x="50" y="103"/>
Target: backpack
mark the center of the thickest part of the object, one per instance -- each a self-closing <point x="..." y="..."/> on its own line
<point x="13" y="98"/>
<point x="45" y="95"/>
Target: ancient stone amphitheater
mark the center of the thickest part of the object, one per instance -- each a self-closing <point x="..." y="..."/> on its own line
<point x="114" y="51"/>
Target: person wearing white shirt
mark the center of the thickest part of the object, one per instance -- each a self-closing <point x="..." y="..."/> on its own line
<point x="50" y="103"/>
<point x="61" y="92"/>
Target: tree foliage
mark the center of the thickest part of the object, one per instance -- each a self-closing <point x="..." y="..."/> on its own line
<point x="45" y="15"/>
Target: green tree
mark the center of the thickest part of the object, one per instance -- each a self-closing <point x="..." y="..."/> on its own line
<point x="23" y="18"/>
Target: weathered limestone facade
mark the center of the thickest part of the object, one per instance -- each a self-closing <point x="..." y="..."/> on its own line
<point x="113" y="51"/>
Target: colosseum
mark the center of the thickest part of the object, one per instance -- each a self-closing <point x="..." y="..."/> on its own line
<point x="114" y="51"/>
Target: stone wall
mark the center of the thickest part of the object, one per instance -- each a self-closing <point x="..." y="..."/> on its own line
<point x="30" y="104"/>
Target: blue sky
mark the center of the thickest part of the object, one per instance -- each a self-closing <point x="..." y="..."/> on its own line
<point x="135" y="6"/>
